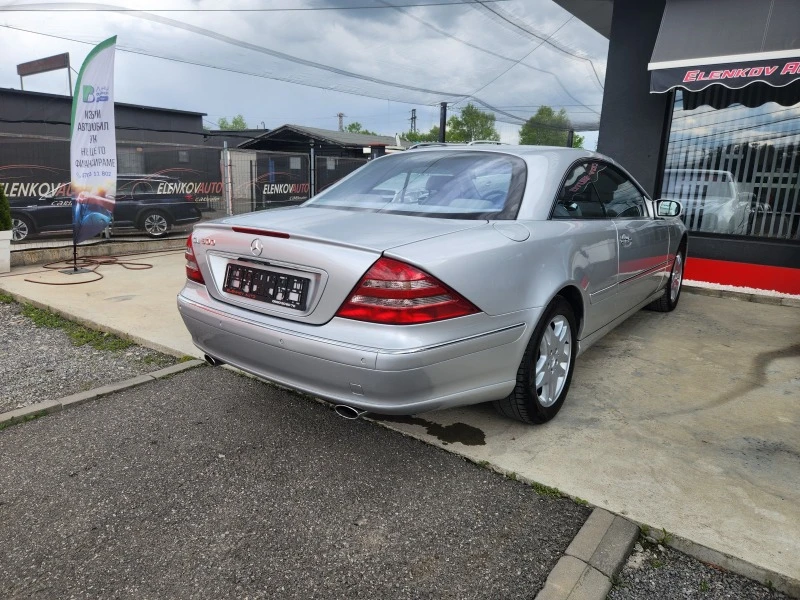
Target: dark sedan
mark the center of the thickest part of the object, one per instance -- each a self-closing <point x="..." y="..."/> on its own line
<point x="138" y="204"/>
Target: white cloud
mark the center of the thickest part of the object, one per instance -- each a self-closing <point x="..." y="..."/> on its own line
<point x="385" y="44"/>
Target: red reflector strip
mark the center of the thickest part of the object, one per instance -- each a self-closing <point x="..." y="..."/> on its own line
<point x="264" y="232"/>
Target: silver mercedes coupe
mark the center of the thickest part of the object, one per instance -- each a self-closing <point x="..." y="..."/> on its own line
<point x="436" y="277"/>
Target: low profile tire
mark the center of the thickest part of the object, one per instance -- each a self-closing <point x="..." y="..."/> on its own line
<point x="21" y="228"/>
<point x="672" y="293"/>
<point x="545" y="373"/>
<point x="155" y="223"/>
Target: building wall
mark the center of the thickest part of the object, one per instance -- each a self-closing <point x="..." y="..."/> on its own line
<point x="159" y="125"/>
<point x="633" y="120"/>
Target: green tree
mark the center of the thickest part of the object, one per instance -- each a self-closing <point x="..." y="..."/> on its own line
<point x="548" y="128"/>
<point x="236" y="124"/>
<point x="5" y="211"/>
<point x="355" y="127"/>
<point x="415" y="137"/>
<point x="473" y="124"/>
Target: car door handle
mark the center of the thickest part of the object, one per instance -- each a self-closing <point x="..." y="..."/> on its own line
<point x="625" y="240"/>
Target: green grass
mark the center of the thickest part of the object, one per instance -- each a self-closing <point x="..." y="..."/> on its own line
<point x="78" y="334"/>
<point x="546" y="490"/>
<point x="24" y="419"/>
<point x="665" y="539"/>
<point x="704" y="587"/>
<point x="6" y="299"/>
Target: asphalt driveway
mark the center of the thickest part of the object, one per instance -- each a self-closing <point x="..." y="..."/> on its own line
<point x="213" y="485"/>
<point x="684" y="421"/>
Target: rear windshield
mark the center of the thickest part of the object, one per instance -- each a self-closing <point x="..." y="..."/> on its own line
<point x="443" y="184"/>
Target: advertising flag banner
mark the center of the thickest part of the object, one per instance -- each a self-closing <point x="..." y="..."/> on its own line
<point x="93" y="144"/>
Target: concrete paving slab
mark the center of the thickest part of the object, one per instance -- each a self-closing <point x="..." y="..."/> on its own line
<point x="684" y="421"/>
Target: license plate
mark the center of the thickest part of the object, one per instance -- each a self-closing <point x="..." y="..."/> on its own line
<point x="266" y="286"/>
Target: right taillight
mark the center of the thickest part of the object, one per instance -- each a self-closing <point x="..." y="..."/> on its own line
<point x="192" y="270"/>
<point x="396" y="293"/>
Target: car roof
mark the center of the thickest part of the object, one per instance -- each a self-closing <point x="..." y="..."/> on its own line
<point x="562" y="157"/>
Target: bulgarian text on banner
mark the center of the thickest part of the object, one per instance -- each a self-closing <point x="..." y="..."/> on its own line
<point x="93" y="144"/>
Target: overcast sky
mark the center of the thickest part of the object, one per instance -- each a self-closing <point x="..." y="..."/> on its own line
<point x="305" y="66"/>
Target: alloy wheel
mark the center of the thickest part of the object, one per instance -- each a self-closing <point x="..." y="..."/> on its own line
<point x="553" y="360"/>
<point x="156" y="224"/>
<point x="19" y="230"/>
<point x="677" y="278"/>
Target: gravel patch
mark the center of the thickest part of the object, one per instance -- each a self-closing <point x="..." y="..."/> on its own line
<point x="661" y="573"/>
<point x="40" y="363"/>
<point x="213" y="485"/>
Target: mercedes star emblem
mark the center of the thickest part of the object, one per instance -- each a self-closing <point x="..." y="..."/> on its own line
<point x="256" y="247"/>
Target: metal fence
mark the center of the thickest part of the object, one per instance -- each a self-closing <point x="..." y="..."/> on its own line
<point x="330" y="169"/>
<point x="256" y="180"/>
<point x="176" y="181"/>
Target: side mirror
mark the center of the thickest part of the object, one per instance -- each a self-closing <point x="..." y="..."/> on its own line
<point x="668" y="208"/>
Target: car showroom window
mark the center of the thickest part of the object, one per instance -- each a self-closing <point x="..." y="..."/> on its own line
<point x="620" y="197"/>
<point x="442" y="184"/>
<point x="578" y="198"/>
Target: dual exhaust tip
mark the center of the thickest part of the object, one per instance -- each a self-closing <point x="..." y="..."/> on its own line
<point x="344" y="411"/>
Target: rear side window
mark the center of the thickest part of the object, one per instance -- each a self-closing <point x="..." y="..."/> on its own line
<point x="578" y="199"/>
<point x="444" y="184"/>
<point x="135" y="187"/>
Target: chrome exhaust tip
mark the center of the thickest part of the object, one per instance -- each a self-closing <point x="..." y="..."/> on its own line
<point x="214" y="362"/>
<point x="348" y="412"/>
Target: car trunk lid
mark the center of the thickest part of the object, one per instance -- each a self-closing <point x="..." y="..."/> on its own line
<point x="301" y="263"/>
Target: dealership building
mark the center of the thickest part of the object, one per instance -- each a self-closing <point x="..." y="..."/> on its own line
<point x="702" y="104"/>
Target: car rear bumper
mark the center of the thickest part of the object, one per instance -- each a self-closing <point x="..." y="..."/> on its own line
<point x="466" y="370"/>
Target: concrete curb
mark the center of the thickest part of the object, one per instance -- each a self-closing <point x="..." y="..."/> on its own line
<point x="592" y="560"/>
<point x="744" y="296"/>
<point x="776" y="581"/>
<point x="36" y="256"/>
<point x="39" y="409"/>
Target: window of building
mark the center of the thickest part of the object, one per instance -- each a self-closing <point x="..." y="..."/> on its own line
<point x="295" y="162"/>
<point x="735" y="167"/>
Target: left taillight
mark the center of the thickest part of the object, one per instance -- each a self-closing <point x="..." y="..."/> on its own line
<point x="192" y="270"/>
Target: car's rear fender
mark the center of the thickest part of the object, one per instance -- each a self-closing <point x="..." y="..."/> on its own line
<point x="501" y="275"/>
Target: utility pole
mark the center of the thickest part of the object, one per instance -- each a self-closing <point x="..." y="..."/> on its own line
<point x="413" y="120"/>
<point x="570" y="137"/>
<point x="341" y="120"/>
<point x="442" y="120"/>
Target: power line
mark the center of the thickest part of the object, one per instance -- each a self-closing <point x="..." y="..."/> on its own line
<point x="49" y="8"/>
<point x="531" y="31"/>
<point x="257" y="49"/>
<point x="515" y="119"/>
<point x="482" y="49"/>
<point x="524" y="57"/>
